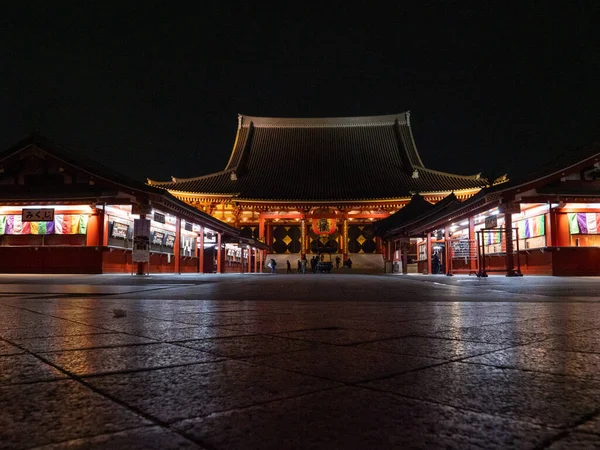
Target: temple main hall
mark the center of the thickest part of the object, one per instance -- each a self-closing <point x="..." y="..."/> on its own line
<point x="303" y="184"/>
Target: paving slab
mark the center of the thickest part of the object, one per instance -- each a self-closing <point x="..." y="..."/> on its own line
<point x="338" y="336"/>
<point x="8" y="349"/>
<point x="546" y="399"/>
<point x="198" y="390"/>
<point x="248" y="346"/>
<point x="137" y="439"/>
<point x="119" y="359"/>
<point x="81" y="341"/>
<point x="68" y="329"/>
<point x="448" y="349"/>
<point x="534" y="358"/>
<point x="354" y="418"/>
<point x="51" y="412"/>
<point x="504" y="336"/>
<point x="344" y="364"/>
<point x="26" y="368"/>
<point x="577" y="441"/>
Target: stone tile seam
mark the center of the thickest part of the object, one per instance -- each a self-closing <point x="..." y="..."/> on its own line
<point x="92" y="436"/>
<point x="588" y="379"/>
<point x="149" y="417"/>
<point x="474" y="411"/>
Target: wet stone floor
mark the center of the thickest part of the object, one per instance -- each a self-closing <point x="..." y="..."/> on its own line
<point x="299" y="362"/>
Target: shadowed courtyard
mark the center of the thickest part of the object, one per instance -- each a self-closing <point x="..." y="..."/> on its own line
<point x="299" y="361"/>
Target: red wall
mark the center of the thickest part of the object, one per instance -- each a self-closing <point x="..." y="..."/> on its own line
<point x="51" y="259"/>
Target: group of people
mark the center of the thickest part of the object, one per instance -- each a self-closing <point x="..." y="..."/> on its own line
<point x="314" y="264"/>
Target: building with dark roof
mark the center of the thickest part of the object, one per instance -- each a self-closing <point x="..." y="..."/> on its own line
<point x="545" y="221"/>
<point x="61" y="213"/>
<point x="286" y="175"/>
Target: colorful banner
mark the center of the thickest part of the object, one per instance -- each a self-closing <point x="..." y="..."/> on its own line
<point x="583" y="223"/>
<point x="63" y="224"/>
<point x="493" y="237"/>
<point x="532" y="227"/>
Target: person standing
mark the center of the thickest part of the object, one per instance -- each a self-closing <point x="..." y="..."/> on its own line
<point x="337" y="262"/>
<point x="289" y="266"/>
<point x="303" y="265"/>
<point x="300" y="266"/>
<point x="273" y="265"/>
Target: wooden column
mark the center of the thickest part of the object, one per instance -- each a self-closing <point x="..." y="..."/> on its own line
<point x="549" y="228"/>
<point x="255" y="260"/>
<point x="404" y="246"/>
<point x="177" y="245"/>
<point x="472" y="242"/>
<point x="219" y="253"/>
<point x="269" y="236"/>
<point x="345" y="238"/>
<point x="260" y="260"/>
<point x="248" y="257"/>
<point x="447" y="252"/>
<point x="201" y="251"/>
<point x="429" y="251"/>
<point x="303" y="234"/>
<point x="261" y="226"/>
<point x="510" y="262"/>
<point x="140" y="265"/>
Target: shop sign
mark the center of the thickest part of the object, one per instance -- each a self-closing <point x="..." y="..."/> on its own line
<point x="491" y="222"/>
<point x="141" y="240"/>
<point x="37" y="215"/>
<point x="509" y="208"/>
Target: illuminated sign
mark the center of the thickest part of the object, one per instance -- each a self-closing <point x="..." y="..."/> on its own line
<point x="37" y="215"/>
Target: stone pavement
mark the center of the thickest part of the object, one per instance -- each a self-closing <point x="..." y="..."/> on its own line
<point x="299" y="361"/>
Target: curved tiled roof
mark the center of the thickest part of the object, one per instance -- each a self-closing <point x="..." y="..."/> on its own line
<point x="348" y="158"/>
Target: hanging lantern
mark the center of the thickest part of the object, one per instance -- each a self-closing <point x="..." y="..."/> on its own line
<point x="323" y="225"/>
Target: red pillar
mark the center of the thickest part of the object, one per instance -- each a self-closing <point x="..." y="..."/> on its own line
<point x="201" y="251"/>
<point x="269" y="236"/>
<point x="510" y="261"/>
<point x="261" y="226"/>
<point x="140" y="265"/>
<point x="404" y="250"/>
<point x="549" y="228"/>
<point x="447" y="252"/>
<point x="219" y="253"/>
<point x="177" y="245"/>
<point x="249" y="258"/>
<point x="429" y="251"/>
<point x="472" y="243"/>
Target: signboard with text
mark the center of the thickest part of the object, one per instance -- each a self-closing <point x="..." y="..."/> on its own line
<point x="141" y="240"/>
<point x="509" y="208"/>
<point x="491" y="222"/>
<point x="37" y="215"/>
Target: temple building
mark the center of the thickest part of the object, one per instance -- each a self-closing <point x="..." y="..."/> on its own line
<point x="300" y="185"/>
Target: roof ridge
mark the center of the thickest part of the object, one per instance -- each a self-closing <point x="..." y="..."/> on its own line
<point x="476" y="176"/>
<point x="183" y="180"/>
<point x="317" y="122"/>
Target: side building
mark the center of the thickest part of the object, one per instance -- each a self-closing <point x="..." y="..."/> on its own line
<point x="304" y="185"/>
<point x="62" y="213"/>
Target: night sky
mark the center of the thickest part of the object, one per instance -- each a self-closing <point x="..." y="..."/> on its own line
<point x="155" y="91"/>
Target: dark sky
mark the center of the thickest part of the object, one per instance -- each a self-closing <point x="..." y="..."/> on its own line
<point x="155" y="91"/>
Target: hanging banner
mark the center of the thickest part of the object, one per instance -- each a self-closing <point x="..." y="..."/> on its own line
<point x="323" y="226"/>
<point x="141" y="240"/>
